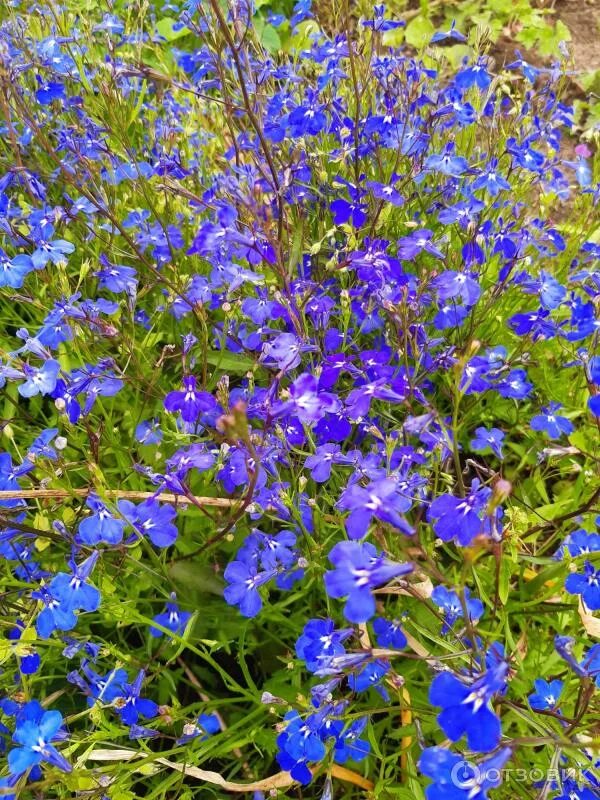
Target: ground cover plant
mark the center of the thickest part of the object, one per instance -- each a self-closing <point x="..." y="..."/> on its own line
<point x="300" y="398"/>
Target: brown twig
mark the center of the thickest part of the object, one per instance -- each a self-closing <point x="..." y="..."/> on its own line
<point x="163" y="497"/>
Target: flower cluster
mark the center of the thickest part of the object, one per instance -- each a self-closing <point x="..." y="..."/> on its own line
<point x="299" y="374"/>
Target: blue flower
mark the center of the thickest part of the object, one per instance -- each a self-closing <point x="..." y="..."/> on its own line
<point x="131" y="706"/>
<point x="446" y="163"/>
<point x="190" y="402"/>
<point x="243" y="581"/>
<point x="450" y="604"/>
<point x="467" y="708"/>
<point x="348" y="746"/>
<point x="460" y="518"/>
<point x="320" y="642"/>
<point x="72" y="590"/>
<point x="35" y="730"/>
<point x="173" y="619"/>
<point x="151" y="518"/>
<point x="587" y="585"/>
<point x="299" y="744"/>
<point x="450" y="285"/>
<point x="457" y="779"/>
<point x="39" y="381"/>
<point x="100" y="526"/>
<point x="380" y="499"/>
<point x="389" y="633"/>
<point x="546" y="695"/>
<point x="551" y="423"/>
<point x="485" y="439"/>
<point x="358" y="569"/>
<point x="417" y="242"/>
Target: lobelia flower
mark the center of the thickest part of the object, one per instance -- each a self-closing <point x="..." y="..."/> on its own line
<point x="450" y="285"/>
<point x="152" y="519"/>
<point x="130" y="706"/>
<point x="309" y="404"/>
<point x="579" y="543"/>
<point x="205" y="726"/>
<point x="466" y="709"/>
<point x="454" y="778"/>
<point x="551" y="423"/>
<point x="348" y="746"/>
<point x="100" y="526"/>
<point x="381" y="500"/>
<point x="358" y="569"/>
<point x="460" y="518"/>
<point x="243" y="581"/>
<point x="39" y="381"/>
<point x="446" y="163"/>
<point x="72" y="590"/>
<point x="451" y="35"/>
<point x="189" y="402"/>
<point x="571" y="790"/>
<point x="173" y="619"/>
<point x="389" y="633"/>
<point x="546" y="695"/>
<point x="35" y="730"/>
<point x="485" y="439"/>
<point x="586" y="585"/>
<point x="320" y="641"/>
<point x="301" y="743"/>
<point x="417" y="242"/>
<point x="450" y="604"/>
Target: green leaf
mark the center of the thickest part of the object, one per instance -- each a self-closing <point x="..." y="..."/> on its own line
<point x="229" y="362"/>
<point x="267" y="35"/>
<point x="165" y="27"/>
<point x="504" y="579"/>
<point x="419" y="31"/>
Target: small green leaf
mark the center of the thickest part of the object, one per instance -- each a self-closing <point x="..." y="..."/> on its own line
<point x="419" y="31"/>
<point x="165" y="27"/>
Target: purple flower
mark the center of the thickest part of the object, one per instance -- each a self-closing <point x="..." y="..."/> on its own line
<point x="358" y="569"/>
<point x="309" y="404"/>
<point x="417" y="242"/>
<point x="380" y="499"/>
<point x="190" y="402"/>
<point x="460" y="518"/>
<point x="450" y="285"/>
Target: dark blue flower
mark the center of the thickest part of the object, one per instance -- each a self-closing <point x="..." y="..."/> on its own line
<point x="546" y="695"/>
<point x="467" y="708"/>
<point x="172" y="619"/>
<point x="450" y="604"/>
<point x="586" y="585"/>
